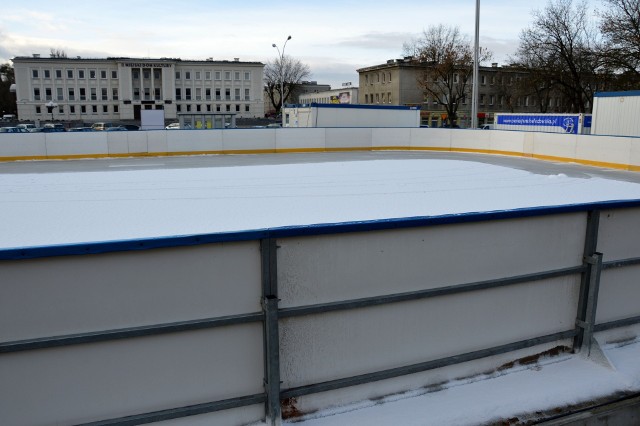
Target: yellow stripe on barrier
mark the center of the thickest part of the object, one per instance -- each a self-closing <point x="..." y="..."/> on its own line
<point x="601" y="164"/>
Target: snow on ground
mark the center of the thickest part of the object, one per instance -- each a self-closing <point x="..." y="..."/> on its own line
<point x="60" y="208"/>
<point x="552" y="382"/>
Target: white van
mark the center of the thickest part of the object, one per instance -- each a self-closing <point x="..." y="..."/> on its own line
<point x="9" y="117"/>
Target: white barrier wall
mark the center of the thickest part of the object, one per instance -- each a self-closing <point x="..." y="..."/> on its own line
<point x="49" y="297"/>
<point x="605" y="151"/>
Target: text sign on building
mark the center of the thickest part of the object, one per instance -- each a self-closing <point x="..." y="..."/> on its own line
<point x="146" y="65"/>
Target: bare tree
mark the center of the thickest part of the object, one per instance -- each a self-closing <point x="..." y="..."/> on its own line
<point x="7" y="99"/>
<point x="561" y="46"/>
<point x="620" y="27"/>
<point x="288" y="70"/>
<point x="57" y="53"/>
<point x="445" y="58"/>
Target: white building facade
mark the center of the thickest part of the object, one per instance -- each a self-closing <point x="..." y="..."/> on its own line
<point x="113" y="89"/>
<point x="345" y="95"/>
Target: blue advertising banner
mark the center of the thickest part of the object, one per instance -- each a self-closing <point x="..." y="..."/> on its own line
<point x="568" y="124"/>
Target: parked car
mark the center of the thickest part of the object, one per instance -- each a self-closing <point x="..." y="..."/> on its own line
<point x="130" y="127"/>
<point x="27" y="126"/>
<point x="102" y="126"/>
<point x="13" y="130"/>
<point x="51" y="129"/>
<point x="81" y="129"/>
<point x="487" y="127"/>
<point x="274" y="125"/>
<point x="173" y="126"/>
<point x="116" y="129"/>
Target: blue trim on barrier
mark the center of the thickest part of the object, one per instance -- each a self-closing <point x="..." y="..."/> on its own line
<point x="356" y="106"/>
<point x="302" y="230"/>
<point x="616" y="94"/>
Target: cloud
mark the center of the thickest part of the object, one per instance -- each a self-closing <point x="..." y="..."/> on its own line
<point x="376" y="40"/>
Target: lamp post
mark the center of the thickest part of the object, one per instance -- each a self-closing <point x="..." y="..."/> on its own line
<point x="281" y="54"/>
<point x="50" y="106"/>
<point x="476" y="54"/>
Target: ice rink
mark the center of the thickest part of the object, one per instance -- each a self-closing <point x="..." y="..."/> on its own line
<point x="65" y="202"/>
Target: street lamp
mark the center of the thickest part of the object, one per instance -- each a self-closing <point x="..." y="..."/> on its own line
<point x="50" y="106"/>
<point x="282" y="77"/>
<point x="476" y="65"/>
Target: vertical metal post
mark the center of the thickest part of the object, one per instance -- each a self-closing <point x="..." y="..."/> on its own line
<point x="476" y="66"/>
<point x="270" y="330"/>
<point x="589" y="281"/>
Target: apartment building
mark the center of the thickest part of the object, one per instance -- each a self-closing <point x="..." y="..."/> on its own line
<point x="114" y="89"/>
<point x="396" y="83"/>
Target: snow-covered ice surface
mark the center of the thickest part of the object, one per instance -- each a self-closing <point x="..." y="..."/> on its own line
<point x="42" y="209"/>
<point x="559" y="381"/>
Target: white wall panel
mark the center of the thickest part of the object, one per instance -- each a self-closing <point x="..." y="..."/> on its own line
<point x="248" y="139"/>
<point x="431" y="138"/>
<point x="619" y="294"/>
<point x="555" y="144"/>
<point x="292" y="138"/>
<point x="22" y="145"/>
<point x="383" y="137"/>
<point x="193" y="140"/>
<point x="507" y="141"/>
<point x="335" y="345"/>
<point x="470" y="139"/>
<point x="619" y="234"/>
<point x="603" y="149"/>
<point x="348" y="137"/>
<point x="74" y="294"/>
<point x="74" y="143"/>
<point x="90" y="382"/>
<point x="350" y="266"/>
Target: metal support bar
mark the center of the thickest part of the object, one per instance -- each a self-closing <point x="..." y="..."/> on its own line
<point x="126" y="333"/>
<point x="176" y="413"/>
<point x="423" y="294"/>
<point x="595" y="263"/>
<point x="271" y="336"/>
<point x="621" y="263"/>
<point x="590" y="244"/>
<point x="424" y="366"/>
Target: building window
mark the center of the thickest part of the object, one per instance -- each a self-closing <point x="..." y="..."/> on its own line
<point x="146" y="74"/>
<point x="366" y="99"/>
<point x="217" y="75"/>
<point x="178" y="108"/>
<point x="366" y="79"/>
<point x="114" y="74"/>
<point x="72" y="109"/>
<point x="208" y="108"/>
<point x="59" y="93"/>
<point x="92" y="74"/>
<point x="114" y="94"/>
<point x="94" y="109"/>
<point x="34" y="73"/>
<point x="389" y="97"/>
<point x="492" y="99"/>
<point x="218" y="108"/>
<point x="217" y="94"/>
<point x="227" y="75"/>
<point x="58" y="73"/>
<point x="188" y="108"/>
<point x="207" y="75"/>
<point x="47" y="94"/>
<point x="207" y="94"/>
<point x="72" y="94"/>
<point x="247" y="95"/>
<point x="481" y="99"/>
<point x="187" y="75"/>
<point x="227" y="94"/>
<point x="115" y="109"/>
<point x="156" y="74"/>
<point x="236" y="75"/>
<point x="47" y="74"/>
<point x="377" y="98"/>
<point x="483" y="80"/>
<point x="237" y="94"/>
<point x="61" y="109"/>
<point x="156" y="93"/>
<point x="228" y="108"/>
<point x="136" y="93"/>
<point x="237" y="108"/>
<point x="80" y="73"/>
<point x="94" y="94"/>
<point x="69" y="73"/>
<point x="38" y="111"/>
<point x="36" y="94"/>
<point x="177" y="75"/>
<point x="147" y="94"/>
<point x="247" y="75"/>
<point x="198" y="94"/>
<point x="135" y="74"/>
<point x="178" y="94"/>
<point x="247" y="108"/>
<point x="198" y="75"/>
<point x="197" y="108"/>
<point x="103" y="74"/>
<point x="83" y="94"/>
<point x="105" y="109"/>
<point x="187" y="94"/>
<point x="83" y="109"/>
<point x="104" y="95"/>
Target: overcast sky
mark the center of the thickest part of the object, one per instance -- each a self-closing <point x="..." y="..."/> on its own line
<point x="333" y="37"/>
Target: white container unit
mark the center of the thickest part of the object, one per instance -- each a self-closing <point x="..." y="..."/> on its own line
<point x="616" y="113"/>
<point x="346" y="115"/>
